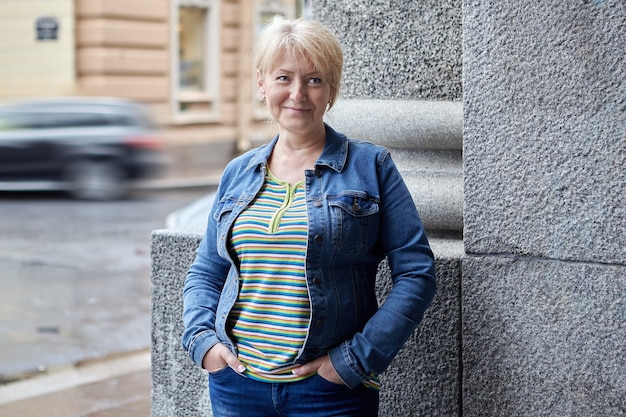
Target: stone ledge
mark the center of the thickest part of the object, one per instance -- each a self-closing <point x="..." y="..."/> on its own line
<point x="401" y="124"/>
<point x="423" y="380"/>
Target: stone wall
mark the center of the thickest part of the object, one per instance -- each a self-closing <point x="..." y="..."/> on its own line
<point x="397" y="49"/>
<point x="544" y="279"/>
<point x="179" y="388"/>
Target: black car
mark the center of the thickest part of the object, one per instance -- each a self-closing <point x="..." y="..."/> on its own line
<point x="93" y="148"/>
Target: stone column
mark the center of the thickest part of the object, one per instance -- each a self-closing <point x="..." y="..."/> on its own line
<point x="544" y="279"/>
<point x="402" y="89"/>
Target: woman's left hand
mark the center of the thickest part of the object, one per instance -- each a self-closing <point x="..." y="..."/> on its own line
<point x="324" y="368"/>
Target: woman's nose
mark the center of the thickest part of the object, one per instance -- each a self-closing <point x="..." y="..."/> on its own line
<point x="298" y="91"/>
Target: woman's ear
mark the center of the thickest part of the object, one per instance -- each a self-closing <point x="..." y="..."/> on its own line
<point x="330" y="99"/>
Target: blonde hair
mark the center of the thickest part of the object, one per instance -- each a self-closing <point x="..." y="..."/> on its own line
<point x="301" y="38"/>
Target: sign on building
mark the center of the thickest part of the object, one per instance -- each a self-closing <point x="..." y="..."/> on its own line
<point x="47" y="28"/>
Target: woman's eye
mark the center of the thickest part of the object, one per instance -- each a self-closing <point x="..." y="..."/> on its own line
<point x="282" y="78"/>
<point x="315" y="80"/>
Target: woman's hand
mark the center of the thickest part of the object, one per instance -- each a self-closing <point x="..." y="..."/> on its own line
<point x="219" y="357"/>
<point x="324" y="368"/>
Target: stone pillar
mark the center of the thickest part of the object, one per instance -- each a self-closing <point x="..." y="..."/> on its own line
<point x="402" y="89"/>
<point x="544" y="279"/>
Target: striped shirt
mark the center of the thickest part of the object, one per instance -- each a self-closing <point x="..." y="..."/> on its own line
<point x="270" y="318"/>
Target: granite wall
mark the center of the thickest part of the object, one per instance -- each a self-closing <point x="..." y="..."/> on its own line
<point x="397" y="49"/>
<point x="402" y="88"/>
<point x="544" y="278"/>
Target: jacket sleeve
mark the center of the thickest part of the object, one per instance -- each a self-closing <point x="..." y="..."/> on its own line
<point x="201" y="293"/>
<point x="412" y="266"/>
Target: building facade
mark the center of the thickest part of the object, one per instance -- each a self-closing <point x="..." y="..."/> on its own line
<point x="187" y="60"/>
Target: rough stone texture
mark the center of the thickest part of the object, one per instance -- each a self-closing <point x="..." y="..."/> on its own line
<point x="397" y="49"/>
<point x="425" y="139"/>
<point x="402" y="88"/>
<point x="545" y="129"/>
<point x="178" y="388"/>
<point x="423" y="380"/>
<point x="543" y="338"/>
<point x="544" y="281"/>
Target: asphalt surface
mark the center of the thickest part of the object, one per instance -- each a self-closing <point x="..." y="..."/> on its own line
<point x="115" y="383"/>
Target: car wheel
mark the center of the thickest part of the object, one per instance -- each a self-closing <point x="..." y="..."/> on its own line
<point x="95" y="180"/>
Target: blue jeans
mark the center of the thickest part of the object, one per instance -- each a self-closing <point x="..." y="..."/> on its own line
<point x="233" y="395"/>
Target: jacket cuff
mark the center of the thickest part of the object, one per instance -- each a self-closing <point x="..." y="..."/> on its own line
<point x="346" y="366"/>
<point x="200" y="345"/>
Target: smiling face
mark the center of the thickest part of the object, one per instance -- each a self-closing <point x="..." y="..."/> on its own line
<point x="296" y="95"/>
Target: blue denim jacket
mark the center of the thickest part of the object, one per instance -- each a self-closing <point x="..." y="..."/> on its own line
<point x="360" y="211"/>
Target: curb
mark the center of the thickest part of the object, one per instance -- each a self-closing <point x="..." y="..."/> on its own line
<point x="94" y="371"/>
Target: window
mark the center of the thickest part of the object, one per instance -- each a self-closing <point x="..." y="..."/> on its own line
<point x="195" y="71"/>
<point x="191" y="48"/>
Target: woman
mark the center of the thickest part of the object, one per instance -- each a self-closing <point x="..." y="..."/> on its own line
<point x="279" y="304"/>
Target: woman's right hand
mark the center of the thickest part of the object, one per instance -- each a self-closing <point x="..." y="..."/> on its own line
<point x="219" y="357"/>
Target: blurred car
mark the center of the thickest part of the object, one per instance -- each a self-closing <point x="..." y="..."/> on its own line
<point x="91" y="147"/>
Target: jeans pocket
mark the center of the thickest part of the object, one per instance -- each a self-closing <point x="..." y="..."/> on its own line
<point x="324" y="383"/>
<point x="219" y="372"/>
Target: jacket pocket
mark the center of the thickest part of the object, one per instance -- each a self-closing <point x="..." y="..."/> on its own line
<point x="353" y="215"/>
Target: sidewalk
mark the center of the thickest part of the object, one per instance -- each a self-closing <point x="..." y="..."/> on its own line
<point x="114" y="387"/>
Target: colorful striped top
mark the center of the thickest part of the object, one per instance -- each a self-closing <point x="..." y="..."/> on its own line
<point x="270" y="318"/>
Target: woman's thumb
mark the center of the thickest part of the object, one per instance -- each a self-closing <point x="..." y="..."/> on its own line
<point x="306" y="369"/>
<point x="233" y="362"/>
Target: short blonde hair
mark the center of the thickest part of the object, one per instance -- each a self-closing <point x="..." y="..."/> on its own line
<point x="301" y="38"/>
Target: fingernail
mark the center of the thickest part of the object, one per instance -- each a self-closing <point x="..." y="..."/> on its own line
<point x="241" y="368"/>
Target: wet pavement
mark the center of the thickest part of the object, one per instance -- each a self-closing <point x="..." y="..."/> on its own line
<point x="117" y="382"/>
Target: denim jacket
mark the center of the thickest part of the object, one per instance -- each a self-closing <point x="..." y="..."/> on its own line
<point x="359" y="212"/>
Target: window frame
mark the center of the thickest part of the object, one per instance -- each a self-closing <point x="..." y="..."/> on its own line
<point x="210" y="94"/>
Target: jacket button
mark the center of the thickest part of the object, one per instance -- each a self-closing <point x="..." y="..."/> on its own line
<point x="317" y="203"/>
<point x="319" y="239"/>
<point x="317" y="172"/>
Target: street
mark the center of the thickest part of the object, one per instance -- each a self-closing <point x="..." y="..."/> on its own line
<point x="75" y="277"/>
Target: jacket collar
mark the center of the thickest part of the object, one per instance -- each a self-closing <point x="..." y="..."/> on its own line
<point x="333" y="156"/>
